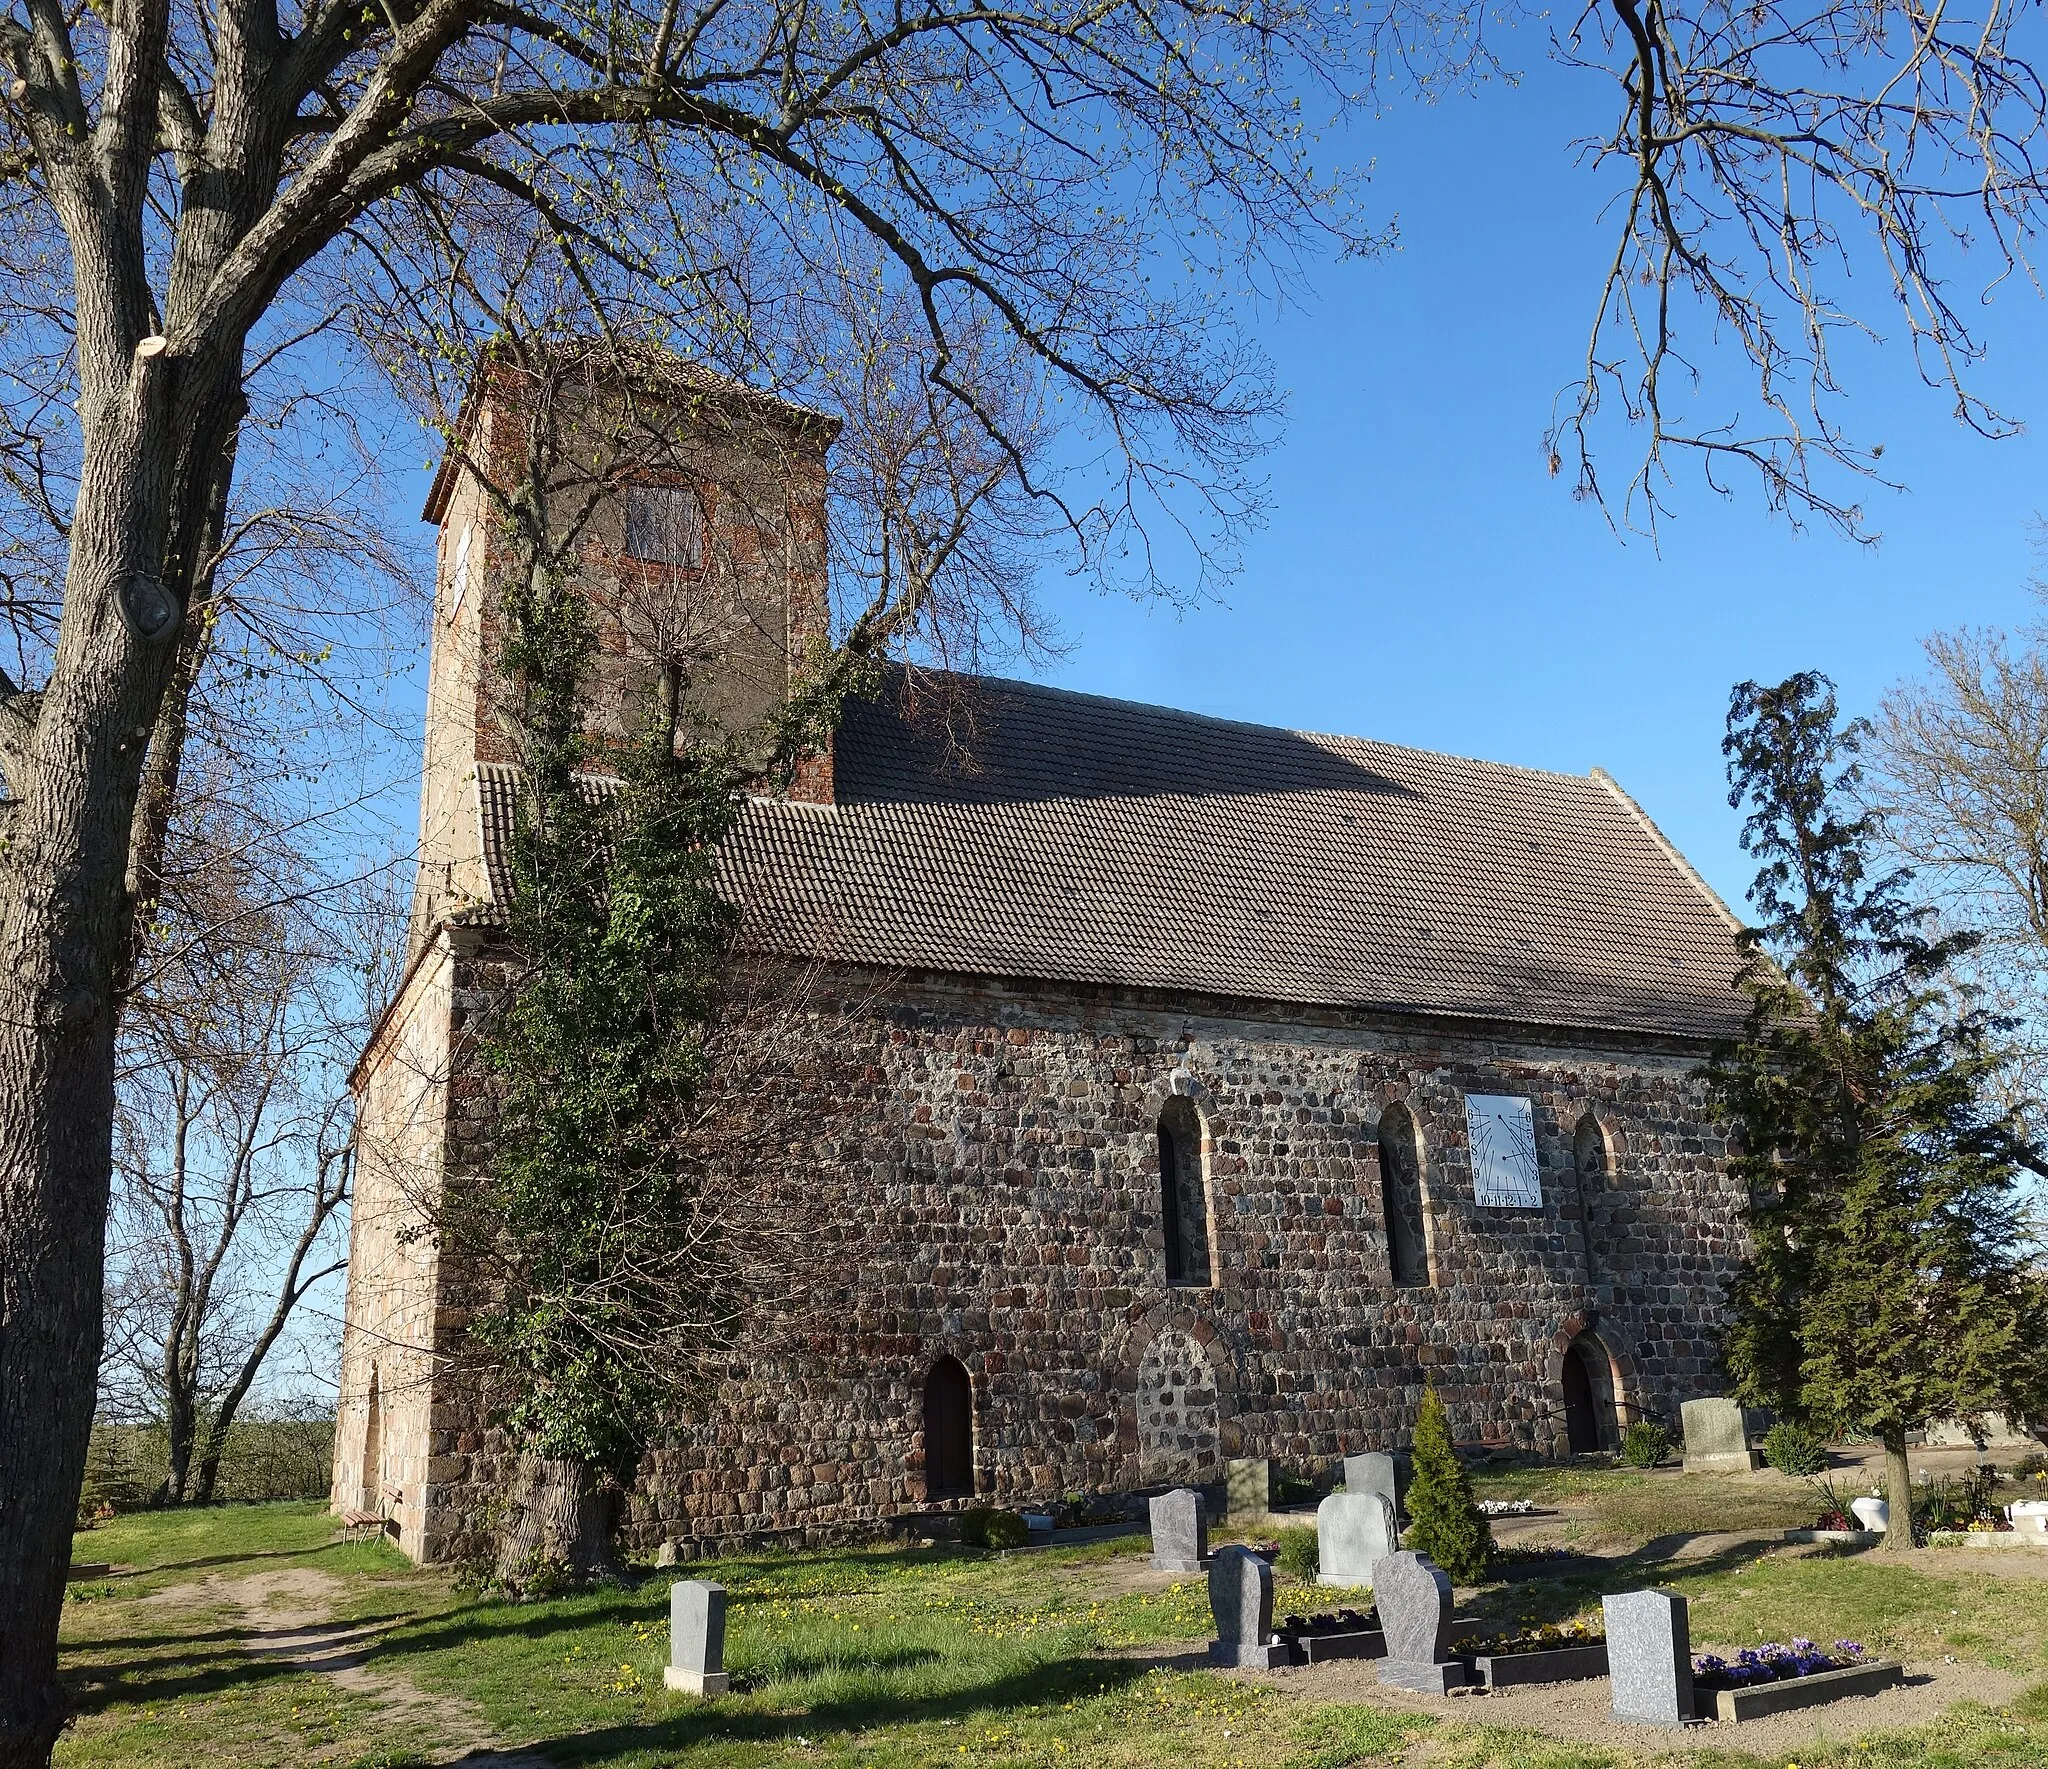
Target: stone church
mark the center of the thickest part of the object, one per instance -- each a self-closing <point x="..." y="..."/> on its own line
<point x="1223" y="1084"/>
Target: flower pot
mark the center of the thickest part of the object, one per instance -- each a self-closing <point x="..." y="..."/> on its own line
<point x="1872" y="1513"/>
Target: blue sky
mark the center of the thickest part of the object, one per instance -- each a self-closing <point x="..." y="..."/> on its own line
<point x="1423" y="580"/>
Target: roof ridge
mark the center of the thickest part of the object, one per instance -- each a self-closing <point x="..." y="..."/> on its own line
<point x="1182" y="712"/>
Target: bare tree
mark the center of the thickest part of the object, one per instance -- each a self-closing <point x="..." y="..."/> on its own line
<point x="723" y="1259"/>
<point x="231" y="1182"/>
<point x="1961" y="783"/>
<point x="1965" y="777"/>
<point x="1769" y="156"/>
<point x="206" y="179"/>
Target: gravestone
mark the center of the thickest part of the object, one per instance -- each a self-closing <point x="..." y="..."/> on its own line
<point x="696" y="1638"/>
<point x="1354" y="1533"/>
<point x="1993" y="1432"/>
<point x="1180" y="1531"/>
<point x="1249" y="1486"/>
<point x="1649" y="1657"/>
<point x="1241" y="1599"/>
<point x="1414" y="1602"/>
<point x="1374" y="1472"/>
<point x="1716" y="1437"/>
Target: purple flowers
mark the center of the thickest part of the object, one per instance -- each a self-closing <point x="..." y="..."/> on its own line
<point x="1772" y="1663"/>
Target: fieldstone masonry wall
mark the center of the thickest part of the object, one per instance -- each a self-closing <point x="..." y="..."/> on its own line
<point x="998" y="1199"/>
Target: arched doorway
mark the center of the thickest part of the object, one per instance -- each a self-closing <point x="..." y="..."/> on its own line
<point x="948" y="1431"/>
<point x="1591" y="1412"/>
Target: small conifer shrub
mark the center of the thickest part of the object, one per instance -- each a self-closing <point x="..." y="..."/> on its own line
<point x="1445" y="1521"/>
<point x="1644" y="1444"/>
<point x="1007" y="1530"/>
<point x="1793" y="1449"/>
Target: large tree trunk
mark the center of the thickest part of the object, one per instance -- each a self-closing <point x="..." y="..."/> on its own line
<point x="1898" y="1493"/>
<point x="64" y="932"/>
<point x="558" y="1517"/>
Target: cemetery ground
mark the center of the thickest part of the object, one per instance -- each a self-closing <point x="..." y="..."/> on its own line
<point x="250" y="1635"/>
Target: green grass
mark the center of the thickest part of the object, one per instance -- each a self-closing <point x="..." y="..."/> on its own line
<point x="917" y="1659"/>
<point x="1631" y="1504"/>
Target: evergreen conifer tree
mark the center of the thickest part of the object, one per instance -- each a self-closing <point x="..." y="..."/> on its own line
<point x="1889" y="1280"/>
<point x="1444" y="1520"/>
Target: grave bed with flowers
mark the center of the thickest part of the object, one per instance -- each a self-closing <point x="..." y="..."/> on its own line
<point x="1775" y="1678"/>
<point x="1567" y="1653"/>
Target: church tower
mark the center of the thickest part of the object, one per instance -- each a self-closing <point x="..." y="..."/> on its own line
<point x="691" y="511"/>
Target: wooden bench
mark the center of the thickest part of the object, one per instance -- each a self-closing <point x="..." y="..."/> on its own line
<point x="362" y="1523"/>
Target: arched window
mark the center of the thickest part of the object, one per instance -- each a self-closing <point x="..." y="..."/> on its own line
<point x="1183" y="1195"/>
<point x="1401" y="1190"/>
<point x="1590" y="1162"/>
<point x="948" y="1432"/>
<point x="1592" y="1412"/>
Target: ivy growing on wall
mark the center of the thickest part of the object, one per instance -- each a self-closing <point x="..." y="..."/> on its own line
<point x="624" y="1237"/>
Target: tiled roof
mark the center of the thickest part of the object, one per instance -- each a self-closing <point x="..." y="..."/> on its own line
<point x="1098" y="842"/>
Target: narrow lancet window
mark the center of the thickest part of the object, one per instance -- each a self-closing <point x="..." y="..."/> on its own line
<point x="1590" y="1162"/>
<point x="1183" y="1195"/>
<point x="1401" y="1186"/>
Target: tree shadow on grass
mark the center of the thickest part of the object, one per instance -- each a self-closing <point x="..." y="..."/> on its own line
<point x="95" y="1688"/>
<point x="205" y="1560"/>
<point x="800" y="1666"/>
<point x="1048" y="1683"/>
<point x="152" y="1643"/>
<point x="1553" y="1596"/>
<point x="482" y="1621"/>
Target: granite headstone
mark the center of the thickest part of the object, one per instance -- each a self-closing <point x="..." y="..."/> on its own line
<point x="1249" y="1486"/>
<point x="1374" y="1472"/>
<point x="1716" y="1437"/>
<point x="1180" y="1531"/>
<point x="1414" y="1602"/>
<point x="1241" y="1599"/>
<point x="1354" y="1533"/>
<point x="696" y="1638"/>
<point x="1649" y="1657"/>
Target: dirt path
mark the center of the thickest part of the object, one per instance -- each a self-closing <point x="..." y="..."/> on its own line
<point x="288" y="1614"/>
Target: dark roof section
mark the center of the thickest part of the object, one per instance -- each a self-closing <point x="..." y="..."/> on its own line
<point x="1098" y="842"/>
